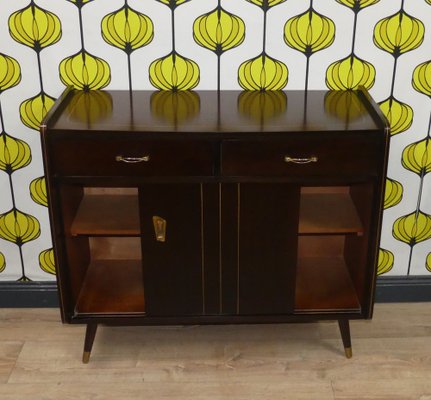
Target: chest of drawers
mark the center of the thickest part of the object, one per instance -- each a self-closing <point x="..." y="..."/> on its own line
<point x="215" y="207"/>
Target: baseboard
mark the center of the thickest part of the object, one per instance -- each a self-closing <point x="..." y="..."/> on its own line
<point x="28" y="294"/>
<point x="403" y="289"/>
<point x="391" y="289"/>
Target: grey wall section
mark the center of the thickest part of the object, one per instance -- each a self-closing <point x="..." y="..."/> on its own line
<point x="27" y="295"/>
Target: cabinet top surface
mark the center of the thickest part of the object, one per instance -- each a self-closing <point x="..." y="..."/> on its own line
<point x="212" y="111"/>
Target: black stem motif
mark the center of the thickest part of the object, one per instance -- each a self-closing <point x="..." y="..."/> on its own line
<point x="304" y="117"/>
<point x="129" y="69"/>
<point x="1" y="120"/>
<point x="394" y="73"/>
<point x="307" y="70"/>
<point x="12" y="193"/>
<point x="173" y="29"/>
<point x="218" y="52"/>
<point x="410" y="259"/>
<point x="264" y="31"/>
<point x="81" y="28"/>
<point x="19" y="243"/>
<point x="218" y="72"/>
<point x="355" y="23"/>
<point x="39" y="65"/>
<point x="308" y="50"/>
<point x="37" y="48"/>
<point x="396" y="53"/>
<point x="418" y="203"/>
<point x="423" y="172"/>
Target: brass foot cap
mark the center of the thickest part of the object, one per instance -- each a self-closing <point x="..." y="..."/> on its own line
<point x="86" y="357"/>
<point x="348" y="351"/>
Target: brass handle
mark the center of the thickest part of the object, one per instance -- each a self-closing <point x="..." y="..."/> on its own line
<point x="132" y="160"/>
<point x="299" y="160"/>
<point x="159" y="228"/>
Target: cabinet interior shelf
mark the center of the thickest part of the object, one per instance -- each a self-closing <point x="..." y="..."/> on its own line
<point x="112" y="287"/>
<point x="324" y="284"/>
<point x="328" y="213"/>
<point x="320" y="213"/>
<point x="111" y="215"/>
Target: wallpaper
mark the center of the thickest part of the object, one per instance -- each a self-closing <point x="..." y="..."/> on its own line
<point x="264" y="45"/>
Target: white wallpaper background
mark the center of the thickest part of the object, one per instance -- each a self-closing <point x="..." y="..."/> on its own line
<point x="209" y="44"/>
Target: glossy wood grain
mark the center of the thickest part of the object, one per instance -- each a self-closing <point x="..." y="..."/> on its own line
<point x="222" y="171"/>
<point x="328" y="213"/>
<point x="328" y="156"/>
<point x="173" y="269"/>
<point x="98" y="156"/>
<point x="267" y="242"/>
<point x="323" y="284"/>
<point x="107" y="215"/>
<point x="209" y="112"/>
<point x="112" y="287"/>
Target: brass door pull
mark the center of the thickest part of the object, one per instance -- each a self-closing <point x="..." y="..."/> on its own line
<point x="132" y="160"/>
<point x="159" y="228"/>
<point x="306" y="160"/>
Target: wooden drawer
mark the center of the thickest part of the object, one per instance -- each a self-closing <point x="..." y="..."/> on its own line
<point x="318" y="156"/>
<point x="120" y="157"/>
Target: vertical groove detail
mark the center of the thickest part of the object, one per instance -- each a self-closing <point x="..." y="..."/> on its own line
<point x="238" y="246"/>
<point x="220" y="249"/>
<point x="202" y="248"/>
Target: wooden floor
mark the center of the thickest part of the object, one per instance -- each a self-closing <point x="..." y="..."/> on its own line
<point x="41" y="359"/>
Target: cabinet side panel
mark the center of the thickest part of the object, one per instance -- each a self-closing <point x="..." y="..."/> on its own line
<point x="75" y="257"/>
<point x="358" y="249"/>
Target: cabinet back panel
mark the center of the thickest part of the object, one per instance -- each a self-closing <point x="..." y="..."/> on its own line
<point x="115" y="248"/>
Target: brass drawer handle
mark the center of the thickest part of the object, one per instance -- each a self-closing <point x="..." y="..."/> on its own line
<point x="132" y="160"/>
<point x="300" y="160"/>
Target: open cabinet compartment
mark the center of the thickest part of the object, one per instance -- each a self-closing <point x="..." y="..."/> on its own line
<point x="332" y="241"/>
<point x="103" y="245"/>
<point x="107" y="211"/>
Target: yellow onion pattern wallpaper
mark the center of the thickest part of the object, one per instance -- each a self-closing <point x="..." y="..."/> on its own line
<point x="260" y="46"/>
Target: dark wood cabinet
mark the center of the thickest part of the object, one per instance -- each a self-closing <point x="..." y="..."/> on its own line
<point x="264" y="221"/>
<point x="215" y="207"/>
<point x="172" y="263"/>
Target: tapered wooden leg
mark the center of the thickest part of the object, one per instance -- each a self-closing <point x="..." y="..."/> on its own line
<point x="90" y="334"/>
<point x="345" y="335"/>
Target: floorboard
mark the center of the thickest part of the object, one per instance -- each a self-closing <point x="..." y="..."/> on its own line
<point x="41" y="359"/>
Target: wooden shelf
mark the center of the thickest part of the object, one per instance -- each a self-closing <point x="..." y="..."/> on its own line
<point x="112" y="287"/>
<point x="107" y="215"/>
<point x="328" y="214"/>
<point x="324" y="284"/>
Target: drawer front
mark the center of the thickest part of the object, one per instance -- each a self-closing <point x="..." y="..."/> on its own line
<point x="297" y="157"/>
<point x="119" y="157"/>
